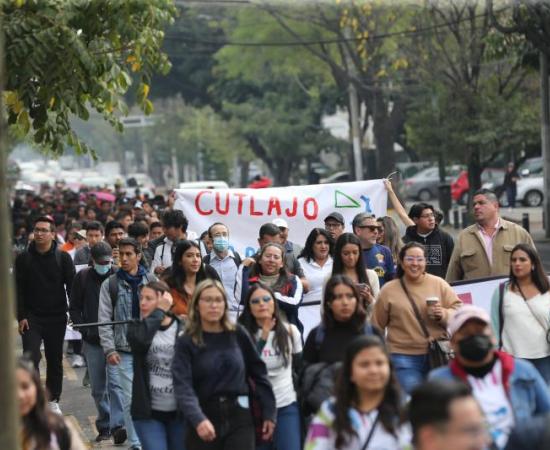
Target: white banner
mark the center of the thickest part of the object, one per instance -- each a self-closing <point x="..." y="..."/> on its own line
<point x="478" y="292"/>
<point x="244" y="211"/>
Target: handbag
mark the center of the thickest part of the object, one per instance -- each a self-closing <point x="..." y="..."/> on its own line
<point x="439" y="350"/>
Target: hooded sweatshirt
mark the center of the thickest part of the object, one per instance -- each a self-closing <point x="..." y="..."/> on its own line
<point x="439" y="247"/>
<point x="41" y="283"/>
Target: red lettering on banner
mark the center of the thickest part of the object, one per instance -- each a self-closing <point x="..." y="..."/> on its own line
<point x="294" y="208"/>
<point x="241" y="195"/>
<point x="218" y="204"/>
<point x="197" y="206"/>
<point x="313" y="214"/>
<point x="274" y="203"/>
<point x="252" y="211"/>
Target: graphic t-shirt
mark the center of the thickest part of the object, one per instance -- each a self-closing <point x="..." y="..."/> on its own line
<point x="159" y="365"/>
<point x="490" y="393"/>
<point x="379" y="259"/>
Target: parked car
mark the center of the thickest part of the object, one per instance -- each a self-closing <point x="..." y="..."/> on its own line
<point x="424" y="185"/>
<point x="491" y="178"/>
<point x="530" y="192"/>
<point x="530" y="167"/>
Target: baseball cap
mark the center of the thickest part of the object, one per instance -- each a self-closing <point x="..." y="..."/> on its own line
<point x="81" y="234"/>
<point x="281" y="223"/>
<point x="465" y="313"/>
<point x="335" y="216"/>
<point x="101" y="252"/>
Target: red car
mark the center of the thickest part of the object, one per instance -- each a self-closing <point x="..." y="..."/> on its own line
<point x="493" y="177"/>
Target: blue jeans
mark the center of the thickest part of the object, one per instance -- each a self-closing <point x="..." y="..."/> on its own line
<point x="287" y="434"/>
<point x="411" y="370"/>
<point x="543" y="366"/>
<point x="125" y="372"/>
<point x="106" y="389"/>
<point x="157" y="435"/>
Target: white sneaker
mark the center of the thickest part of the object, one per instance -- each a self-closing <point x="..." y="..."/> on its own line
<point x="54" y="407"/>
<point x="78" y="361"/>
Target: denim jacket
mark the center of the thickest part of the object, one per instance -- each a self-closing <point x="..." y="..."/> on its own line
<point x="527" y="391"/>
<point x="113" y="338"/>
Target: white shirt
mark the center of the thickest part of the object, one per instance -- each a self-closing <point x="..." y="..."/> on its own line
<point x="163" y="255"/>
<point x="523" y="334"/>
<point x="280" y="376"/>
<point x="490" y="394"/>
<point x="316" y="275"/>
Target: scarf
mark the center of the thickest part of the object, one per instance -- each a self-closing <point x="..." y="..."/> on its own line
<point x="134" y="281"/>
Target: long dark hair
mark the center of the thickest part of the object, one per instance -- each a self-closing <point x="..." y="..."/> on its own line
<point x="246" y="319"/>
<point x="40" y="422"/>
<point x="338" y="265"/>
<point x="307" y="251"/>
<point x="359" y="316"/>
<point x="175" y="277"/>
<point x="537" y="275"/>
<point x="403" y="252"/>
<point x="256" y="269"/>
<point x="347" y="395"/>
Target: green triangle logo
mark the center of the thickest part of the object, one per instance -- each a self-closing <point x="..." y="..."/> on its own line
<point x="342" y="200"/>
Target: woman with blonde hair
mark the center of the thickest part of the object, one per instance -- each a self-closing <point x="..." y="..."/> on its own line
<point x="213" y="362"/>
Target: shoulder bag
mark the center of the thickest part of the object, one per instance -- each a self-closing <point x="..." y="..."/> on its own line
<point x="439" y="350"/>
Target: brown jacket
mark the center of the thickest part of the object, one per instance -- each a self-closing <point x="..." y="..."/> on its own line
<point x="394" y="312"/>
<point x="469" y="258"/>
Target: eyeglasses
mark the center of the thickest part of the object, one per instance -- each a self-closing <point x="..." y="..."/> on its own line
<point x="411" y="259"/>
<point x="212" y="300"/>
<point x="257" y="300"/>
<point x="427" y="216"/>
<point x="370" y="227"/>
<point x="42" y="230"/>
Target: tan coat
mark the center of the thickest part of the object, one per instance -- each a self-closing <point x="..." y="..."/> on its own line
<point x="469" y="259"/>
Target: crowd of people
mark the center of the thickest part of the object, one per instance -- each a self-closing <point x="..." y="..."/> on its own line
<point x="351" y="340"/>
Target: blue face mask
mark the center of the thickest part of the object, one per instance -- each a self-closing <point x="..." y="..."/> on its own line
<point x="102" y="269"/>
<point x="220" y="244"/>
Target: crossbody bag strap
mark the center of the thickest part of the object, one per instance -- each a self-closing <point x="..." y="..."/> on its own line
<point x="416" y="312"/>
<point x="371" y="432"/>
<point x="531" y="310"/>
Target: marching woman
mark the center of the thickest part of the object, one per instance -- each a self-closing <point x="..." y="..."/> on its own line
<point x="344" y="318"/>
<point x="365" y="412"/>
<point x="280" y="347"/>
<point x="154" y="410"/>
<point x="348" y="262"/>
<point x="520" y="310"/>
<point x="41" y="429"/>
<point x="316" y="262"/>
<point x="213" y="363"/>
<point x="270" y="269"/>
<point x="186" y="272"/>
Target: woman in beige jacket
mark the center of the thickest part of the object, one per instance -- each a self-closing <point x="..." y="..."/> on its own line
<point x="393" y="311"/>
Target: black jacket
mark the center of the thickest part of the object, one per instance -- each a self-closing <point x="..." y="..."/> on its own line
<point x="84" y="301"/>
<point x="41" y="281"/>
<point x="140" y="336"/>
<point x="439" y="247"/>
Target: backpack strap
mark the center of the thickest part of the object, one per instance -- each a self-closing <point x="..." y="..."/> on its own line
<point x="113" y="289"/>
<point x="501" y="288"/>
<point x="319" y="336"/>
<point x="59" y="258"/>
<point x="206" y="259"/>
<point x="237" y="259"/>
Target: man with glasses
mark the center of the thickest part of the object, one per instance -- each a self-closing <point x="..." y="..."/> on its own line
<point x="438" y="244"/>
<point x="225" y="262"/>
<point x="484" y="248"/>
<point x="334" y="224"/>
<point x="375" y="256"/>
<point x="44" y="276"/>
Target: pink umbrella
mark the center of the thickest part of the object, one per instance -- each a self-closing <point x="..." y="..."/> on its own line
<point x="103" y="196"/>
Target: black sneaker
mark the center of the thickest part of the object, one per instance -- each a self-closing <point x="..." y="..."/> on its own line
<point x="103" y="435"/>
<point x="119" y="435"/>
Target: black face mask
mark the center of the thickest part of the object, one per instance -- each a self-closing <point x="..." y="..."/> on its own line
<point x="475" y="348"/>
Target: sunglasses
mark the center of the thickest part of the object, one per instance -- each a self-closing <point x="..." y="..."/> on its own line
<point x="257" y="300"/>
<point x="370" y="227"/>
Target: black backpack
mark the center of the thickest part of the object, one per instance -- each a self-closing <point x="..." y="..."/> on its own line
<point x="236" y="259"/>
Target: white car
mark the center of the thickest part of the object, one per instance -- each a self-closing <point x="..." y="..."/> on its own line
<point x="530" y="192"/>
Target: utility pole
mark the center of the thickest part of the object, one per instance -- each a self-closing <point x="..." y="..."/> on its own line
<point x="354" y="119"/>
<point x="175" y="169"/>
<point x="9" y="413"/>
<point x="545" y="137"/>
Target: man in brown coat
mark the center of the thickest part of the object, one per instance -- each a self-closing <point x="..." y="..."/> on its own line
<point x="483" y="249"/>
